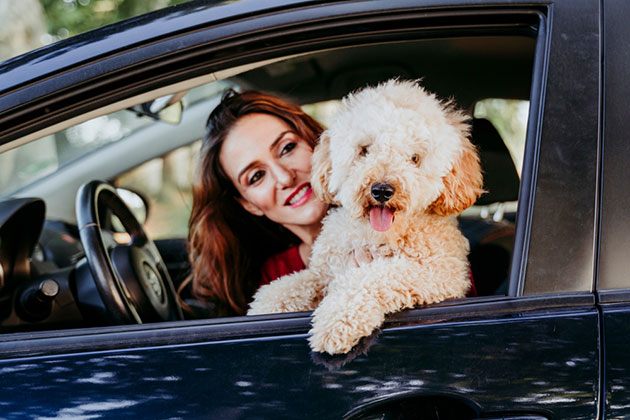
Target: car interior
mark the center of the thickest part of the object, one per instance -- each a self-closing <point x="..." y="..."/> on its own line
<point x="45" y="280"/>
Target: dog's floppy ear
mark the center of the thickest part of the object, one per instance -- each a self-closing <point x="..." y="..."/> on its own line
<point x="320" y="173"/>
<point x="464" y="183"/>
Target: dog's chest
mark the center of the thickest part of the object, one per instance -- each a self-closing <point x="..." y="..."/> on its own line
<point x="344" y="243"/>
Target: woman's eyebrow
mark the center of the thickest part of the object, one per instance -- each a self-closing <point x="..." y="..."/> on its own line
<point x="273" y="145"/>
<point x="280" y="137"/>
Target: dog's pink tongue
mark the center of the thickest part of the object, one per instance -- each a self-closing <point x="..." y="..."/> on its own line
<point x="381" y="218"/>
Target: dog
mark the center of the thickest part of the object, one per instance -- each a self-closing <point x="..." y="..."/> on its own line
<point x="396" y="166"/>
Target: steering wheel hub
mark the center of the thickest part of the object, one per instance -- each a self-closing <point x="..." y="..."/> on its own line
<point x="153" y="283"/>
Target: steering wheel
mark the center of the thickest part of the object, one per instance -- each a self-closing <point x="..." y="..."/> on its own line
<point x="131" y="279"/>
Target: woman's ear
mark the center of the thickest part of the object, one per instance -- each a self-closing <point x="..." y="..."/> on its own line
<point x="249" y="207"/>
<point x="464" y="183"/>
<point x="321" y="169"/>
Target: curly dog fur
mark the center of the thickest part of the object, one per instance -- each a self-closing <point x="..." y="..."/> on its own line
<point x="399" y="135"/>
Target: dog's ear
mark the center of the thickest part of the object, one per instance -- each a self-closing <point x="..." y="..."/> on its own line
<point x="464" y="183"/>
<point x="321" y="169"/>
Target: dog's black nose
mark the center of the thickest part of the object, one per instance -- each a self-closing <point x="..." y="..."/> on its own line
<point x="382" y="192"/>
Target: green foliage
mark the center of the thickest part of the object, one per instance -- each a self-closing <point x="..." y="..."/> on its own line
<point x="70" y="17"/>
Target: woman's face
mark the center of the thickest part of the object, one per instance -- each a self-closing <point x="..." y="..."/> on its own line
<point x="270" y="166"/>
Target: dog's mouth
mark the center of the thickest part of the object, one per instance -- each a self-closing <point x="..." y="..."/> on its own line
<point x="381" y="218"/>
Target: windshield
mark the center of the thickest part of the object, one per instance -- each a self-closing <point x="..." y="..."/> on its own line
<point x="29" y="24"/>
<point x="28" y="163"/>
<point x="33" y="161"/>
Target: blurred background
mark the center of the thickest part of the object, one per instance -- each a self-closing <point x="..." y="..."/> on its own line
<point x="29" y="24"/>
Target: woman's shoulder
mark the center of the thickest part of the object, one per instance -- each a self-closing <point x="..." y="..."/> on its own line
<point x="281" y="264"/>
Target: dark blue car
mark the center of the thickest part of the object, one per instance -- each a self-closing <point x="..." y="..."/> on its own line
<point x="115" y="116"/>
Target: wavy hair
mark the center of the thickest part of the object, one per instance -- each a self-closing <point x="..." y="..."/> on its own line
<point x="227" y="245"/>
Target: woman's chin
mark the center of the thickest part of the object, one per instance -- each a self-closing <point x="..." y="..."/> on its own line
<point x="310" y="213"/>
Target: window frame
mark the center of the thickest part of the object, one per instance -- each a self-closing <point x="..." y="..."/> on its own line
<point x="613" y="283"/>
<point x="353" y="31"/>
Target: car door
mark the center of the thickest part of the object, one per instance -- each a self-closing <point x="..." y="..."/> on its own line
<point x="534" y="352"/>
<point x="613" y="282"/>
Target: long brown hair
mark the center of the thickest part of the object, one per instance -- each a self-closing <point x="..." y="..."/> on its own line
<point x="226" y="244"/>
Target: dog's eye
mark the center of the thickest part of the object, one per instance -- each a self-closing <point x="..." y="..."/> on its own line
<point x="363" y="150"/>
<point x="415" y="159"/>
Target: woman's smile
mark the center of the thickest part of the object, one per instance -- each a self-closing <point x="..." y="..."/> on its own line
<point x="300" y="195"/>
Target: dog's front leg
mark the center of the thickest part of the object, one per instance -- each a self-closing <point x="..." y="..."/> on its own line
<point x="301" y="291"/>
<point x="356" y="303"/>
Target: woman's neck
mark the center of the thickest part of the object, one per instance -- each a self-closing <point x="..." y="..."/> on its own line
<point x="307" y="235"/>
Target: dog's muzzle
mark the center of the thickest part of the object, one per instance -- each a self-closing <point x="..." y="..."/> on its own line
<point x="382" y="192"/>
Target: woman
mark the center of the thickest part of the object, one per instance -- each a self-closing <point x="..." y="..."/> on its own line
<point x="254" y="215"/>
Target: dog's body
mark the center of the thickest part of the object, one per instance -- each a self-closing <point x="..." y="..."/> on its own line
<point x="402" y="168"/>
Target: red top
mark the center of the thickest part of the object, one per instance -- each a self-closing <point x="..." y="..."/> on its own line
<point x="472" y="292"/>
<point x="289" y="261"/>
<point x="280" y="264"/>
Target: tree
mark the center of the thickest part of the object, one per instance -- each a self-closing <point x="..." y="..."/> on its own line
<point x="71" y="17"/>
<point x="22" y="27"/>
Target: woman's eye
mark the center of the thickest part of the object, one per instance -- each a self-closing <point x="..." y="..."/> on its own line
<point x="255" y="177"/>
<point x="415" y="158"/>
<point x="363" y="150"/>
<point x="287" y="148"/>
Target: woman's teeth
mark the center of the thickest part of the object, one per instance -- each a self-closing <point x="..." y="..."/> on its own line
<point x="297" y="197"/>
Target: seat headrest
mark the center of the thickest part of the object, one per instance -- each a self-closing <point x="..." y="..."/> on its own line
<point x="500" y="178"/>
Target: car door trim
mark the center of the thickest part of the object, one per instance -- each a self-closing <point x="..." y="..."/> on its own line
<point x="490" y="309"/>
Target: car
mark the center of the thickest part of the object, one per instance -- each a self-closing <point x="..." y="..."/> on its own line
<point x="95" y="144"/>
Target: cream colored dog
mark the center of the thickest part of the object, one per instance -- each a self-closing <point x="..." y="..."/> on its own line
<point x="397" y="166"/>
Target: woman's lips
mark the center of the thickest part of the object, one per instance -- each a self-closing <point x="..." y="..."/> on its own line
<point x="299" y="196"/>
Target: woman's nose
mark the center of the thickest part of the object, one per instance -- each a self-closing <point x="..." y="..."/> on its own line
<point x="284" y="176"/>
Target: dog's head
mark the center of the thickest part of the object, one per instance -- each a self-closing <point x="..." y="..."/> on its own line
<point x="394" y="150"/>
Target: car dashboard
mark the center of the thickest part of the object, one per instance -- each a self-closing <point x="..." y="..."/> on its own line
<point x="42" y="265"/>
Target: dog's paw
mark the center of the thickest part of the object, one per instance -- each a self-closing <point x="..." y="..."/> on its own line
<point x="338" y="337"/>
<point x="272" y="299"/>
<point x="337" y="361"/>
<point x="331" y="342"/>
<point x="342" y="320"/>
<point x="261" y="307"/>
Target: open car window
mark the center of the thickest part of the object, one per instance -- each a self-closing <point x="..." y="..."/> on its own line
<point x="158" y="160"/>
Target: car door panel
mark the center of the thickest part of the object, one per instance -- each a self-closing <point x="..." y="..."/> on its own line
<point x="506" y="356"/>
<point x="520" y="362"/>
<point x="616" y="325"/>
